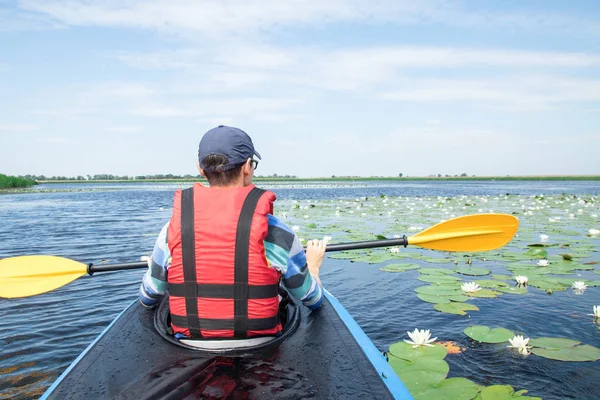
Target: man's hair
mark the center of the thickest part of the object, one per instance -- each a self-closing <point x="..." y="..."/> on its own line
<point x="224" y="178"/>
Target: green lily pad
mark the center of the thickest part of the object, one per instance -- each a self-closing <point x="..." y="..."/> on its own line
<point x="512" y="290"/>
<point x="461" y="298"/>
<point x="484" y="334"/>
<point x="439" y="290"/>
<point x="422" y="372"/>
<point x="433" y="299"/>
<point x="448" y="389"/>
<point x="472" y="271"/>
<point x="455" y="308"/>
<point x="406" y="352"/>
<point x="577" y="353"/>
<point x="545" y="285"/>
<point x="435" y="271"/>
<point x="490" y="283"/>
<point x="438" y="278"/>
<point x="376" y="258"/>
<point x="502" y="277"/>
<point x="436" y="260"/>
<point x="536" y="253"/>
<point x="399" y="267"/>
<point x="487" y="293"/>
<point x="553" y="343"/>
<point x="497" y="392"/>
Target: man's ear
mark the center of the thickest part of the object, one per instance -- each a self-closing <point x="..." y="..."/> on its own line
<point x="200" y="169"/>
<point x="247" y="168"/>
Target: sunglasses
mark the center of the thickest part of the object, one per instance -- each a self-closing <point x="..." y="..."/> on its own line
<point x="254" y="164"/>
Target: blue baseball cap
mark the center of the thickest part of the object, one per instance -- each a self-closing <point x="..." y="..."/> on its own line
<point x="233" y="143"/>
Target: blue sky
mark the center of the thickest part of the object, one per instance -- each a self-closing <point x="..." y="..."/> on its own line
<point x="331" y="87"/>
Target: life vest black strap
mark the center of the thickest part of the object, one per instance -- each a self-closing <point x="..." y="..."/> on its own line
<point x="224" y="291"/>
<point x="257" y="324"/>
<point x="188" y="254"/>
<point x="242" y="249"/>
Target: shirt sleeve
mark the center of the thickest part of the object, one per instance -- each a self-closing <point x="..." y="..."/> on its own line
<point x="286" y="254"/>
<point x="154" y="282"/>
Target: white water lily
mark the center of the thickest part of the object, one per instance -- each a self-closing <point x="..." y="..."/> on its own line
<point x="470" y="287"/>
<point x="521" y="279"/>
<point x="594" y="232"/>
<point x="420" y="338"/>
<point x="579" y="285"/>
<point x="395" y="249"/>
<point x="295" y="228"/>
<point x="327" y="239"/>
<point x="596" y="313"/>
<point x="543" y="238"/>
<point x="543" y="263"/>
<point x="519" y="342"/>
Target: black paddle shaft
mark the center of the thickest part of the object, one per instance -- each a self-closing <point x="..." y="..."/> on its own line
<point x="367" y="244"/>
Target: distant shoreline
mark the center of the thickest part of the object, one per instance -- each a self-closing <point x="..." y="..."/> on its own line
<point x="344" y="179"/>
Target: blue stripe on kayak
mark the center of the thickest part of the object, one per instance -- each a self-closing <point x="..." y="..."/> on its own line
<point x="382" y="367"/>
<point x="74" y="363"/>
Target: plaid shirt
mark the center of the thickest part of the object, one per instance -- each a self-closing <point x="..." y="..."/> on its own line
<point x="284" y="253"/>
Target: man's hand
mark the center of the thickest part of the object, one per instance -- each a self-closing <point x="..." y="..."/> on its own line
<point x="315" y="252"/>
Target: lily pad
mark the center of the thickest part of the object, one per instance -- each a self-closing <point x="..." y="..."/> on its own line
<point x="553" y="343"/>
<point x="435" y="271"/>
<point x="472" y="271"/>
<point x="439" y="290"/>
<point x="497" y="392"/>
<point x="399" y="267"/>
<point x="577" y="353"/>
<point x="433" y="299"/>
<point x="512" y="290"/>
<point x="484" y="334"/>
<point x="438" y="278"/>
<point x="421" y="372"/>
<point x="455" y="308"/>
<point x="487" y="293"/>
<point x="448" y="389"/>
<point x="406" y="352"/>
<point x="490" y="283"/>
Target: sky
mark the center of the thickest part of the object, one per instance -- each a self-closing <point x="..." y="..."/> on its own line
<point x="328" y="87"/>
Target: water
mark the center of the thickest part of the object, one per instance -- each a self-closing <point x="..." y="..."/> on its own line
<point x="41" y="335"/>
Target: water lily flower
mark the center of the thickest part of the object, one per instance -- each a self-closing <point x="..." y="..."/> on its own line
<point x="596" y="313"/>
<point x="543" y="263"/>
<point x="327" y="239"/>
<point x="420" y="338"/>
<point x="470" y="287"/>
<point x="579" y="285"/>
<point x="519" y="342"/>
<point x="521" y="279"/>
<point x="395" y="249"/>
<point x="295" y="228"/>
<point x="594" y="232"/>
<point x="543" y="238"/>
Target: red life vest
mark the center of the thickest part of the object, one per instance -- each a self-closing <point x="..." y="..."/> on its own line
<point x="220" y="282"/>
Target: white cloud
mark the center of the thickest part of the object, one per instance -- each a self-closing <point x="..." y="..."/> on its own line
<point x="257" y="16"/>
<point x="125" y="129"/>
<point x="14" y="128"/>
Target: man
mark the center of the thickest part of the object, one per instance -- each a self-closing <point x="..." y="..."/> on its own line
<point x="226" y="253"/>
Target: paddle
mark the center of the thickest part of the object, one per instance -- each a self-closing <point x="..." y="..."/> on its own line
<point x="30" y="275"/>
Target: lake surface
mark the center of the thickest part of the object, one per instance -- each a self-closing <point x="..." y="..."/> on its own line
<point x="41" y="335"/>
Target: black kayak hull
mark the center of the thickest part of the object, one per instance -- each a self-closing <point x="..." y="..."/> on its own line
<point x="328" y="357"/>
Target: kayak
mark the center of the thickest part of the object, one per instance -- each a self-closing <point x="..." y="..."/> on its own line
<point x="321" y="354"/>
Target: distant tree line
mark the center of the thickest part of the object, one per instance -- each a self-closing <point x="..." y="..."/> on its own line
<point x="7" y="181"/>
<point x="109" y="177"/>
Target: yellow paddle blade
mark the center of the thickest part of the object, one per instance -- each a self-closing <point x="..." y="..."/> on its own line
<point x="30" y="275"/>
<point x="479" y="232"/>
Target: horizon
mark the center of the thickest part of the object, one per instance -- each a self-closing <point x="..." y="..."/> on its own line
<point x="331" y="88"/>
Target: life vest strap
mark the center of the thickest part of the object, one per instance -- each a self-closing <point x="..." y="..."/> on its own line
<point x="255" y="324"/>
<point x="224" y="291"/>
<point x="242" y="248"/>
<point x="188" y="253"/>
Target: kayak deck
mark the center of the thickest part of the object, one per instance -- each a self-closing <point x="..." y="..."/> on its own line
<point x="324" y="358"/>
